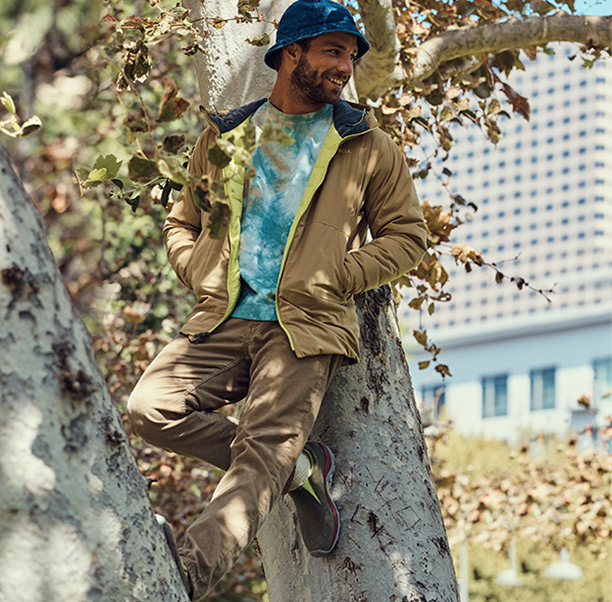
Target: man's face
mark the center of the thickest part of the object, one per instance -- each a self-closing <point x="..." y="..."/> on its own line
<point x="325" y="68"/>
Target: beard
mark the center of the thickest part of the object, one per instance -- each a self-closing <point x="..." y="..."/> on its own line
<point x="311" y="84"/>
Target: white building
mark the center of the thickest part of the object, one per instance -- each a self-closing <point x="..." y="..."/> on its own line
<point x="544" y="198"/>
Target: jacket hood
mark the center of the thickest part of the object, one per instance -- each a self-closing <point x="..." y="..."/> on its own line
<point x="349" y="118"/>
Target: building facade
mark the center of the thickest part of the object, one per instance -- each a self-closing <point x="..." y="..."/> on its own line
<point x="544" y="198"/>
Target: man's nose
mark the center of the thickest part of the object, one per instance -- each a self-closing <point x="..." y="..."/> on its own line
<point x="346" y="65"/>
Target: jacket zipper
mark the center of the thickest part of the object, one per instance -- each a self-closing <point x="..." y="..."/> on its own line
<point x="301" y="210"/>
<point x="233" y="250"/>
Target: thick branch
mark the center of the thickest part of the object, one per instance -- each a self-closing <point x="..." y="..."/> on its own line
<point x="494" y="37"/>
<point x="380" y="69"/>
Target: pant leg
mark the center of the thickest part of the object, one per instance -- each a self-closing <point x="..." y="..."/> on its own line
<point x="173" y="405"/>
<point x="284" y="398"/>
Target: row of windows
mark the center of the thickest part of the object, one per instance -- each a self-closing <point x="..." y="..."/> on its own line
<point x="534" y="143"/>
<point x="535" y="159"/>
<point x="548" y="174"/>
<point x="542" y="395"/>
<point x="521" y="311"/>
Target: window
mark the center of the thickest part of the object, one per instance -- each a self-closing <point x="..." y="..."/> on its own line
<point x="602" y="378"/>
<point x="495" y="396"/>
<point x="433" y="399"/>
<point x="542" y="389"/>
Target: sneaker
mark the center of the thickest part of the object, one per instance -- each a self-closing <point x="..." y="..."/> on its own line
<point x="318" y="515"/>
<point x="163" y="523"/>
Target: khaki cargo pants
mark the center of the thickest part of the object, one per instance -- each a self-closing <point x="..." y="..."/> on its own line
<point x="173" y="406"/>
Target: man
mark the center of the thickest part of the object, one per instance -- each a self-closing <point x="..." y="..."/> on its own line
<point x="275" y="316"/>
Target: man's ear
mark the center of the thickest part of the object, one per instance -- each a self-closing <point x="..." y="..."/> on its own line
<point x="292" y="54"/>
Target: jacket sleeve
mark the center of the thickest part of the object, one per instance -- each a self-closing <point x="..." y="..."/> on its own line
<point x="184" y="222"/>
<point x="395" y="218"/>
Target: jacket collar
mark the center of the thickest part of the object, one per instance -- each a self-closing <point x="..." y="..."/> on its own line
<point x="349" y="118"/>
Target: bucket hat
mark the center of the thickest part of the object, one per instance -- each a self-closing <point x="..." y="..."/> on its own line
<point x="309" y="18"/>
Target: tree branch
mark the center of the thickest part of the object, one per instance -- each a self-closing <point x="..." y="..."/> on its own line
<point x="561" y="27"/>
<point x="380" y="69"/>
<point x="480" y="39"/>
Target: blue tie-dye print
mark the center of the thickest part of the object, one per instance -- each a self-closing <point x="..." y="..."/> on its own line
<point x="282" y="173"/>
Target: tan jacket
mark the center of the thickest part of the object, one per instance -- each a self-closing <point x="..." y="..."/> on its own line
<point x="360" y="180"/>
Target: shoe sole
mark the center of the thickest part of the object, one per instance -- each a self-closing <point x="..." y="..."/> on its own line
<point x="329" y="478"/>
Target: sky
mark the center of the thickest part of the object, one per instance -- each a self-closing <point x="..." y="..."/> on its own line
<point x="593" y="7"/>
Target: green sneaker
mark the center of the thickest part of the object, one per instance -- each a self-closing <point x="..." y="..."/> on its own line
<point x="317" y="513"/>
<point x="163" y="523"/>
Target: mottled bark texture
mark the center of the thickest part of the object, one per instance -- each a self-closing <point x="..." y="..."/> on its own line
<point x="392" y="545"/>
<point x="232" y="72"/>
<point x="76" y="523"/>
<point x="381" y="69"/>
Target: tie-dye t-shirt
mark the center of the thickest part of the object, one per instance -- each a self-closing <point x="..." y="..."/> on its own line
<point x="282" y="173"/>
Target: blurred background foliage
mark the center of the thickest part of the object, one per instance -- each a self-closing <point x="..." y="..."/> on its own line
<point x="66" y="61"/>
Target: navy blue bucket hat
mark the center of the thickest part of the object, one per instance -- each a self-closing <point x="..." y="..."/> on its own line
<point x="309" y="18"/>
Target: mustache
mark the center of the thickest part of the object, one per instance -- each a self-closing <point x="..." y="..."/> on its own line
<point x="342" y="77"/>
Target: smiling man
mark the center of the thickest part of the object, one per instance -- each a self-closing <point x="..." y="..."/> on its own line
<point x="274" y="316"/>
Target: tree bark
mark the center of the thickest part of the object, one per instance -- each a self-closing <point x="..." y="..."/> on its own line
<point x="232" y="72"/>
<point x="76" y="523"/>
<point x="495" y="37"/>
<point x="381" y="70"/>
<point x="393" y="545"/>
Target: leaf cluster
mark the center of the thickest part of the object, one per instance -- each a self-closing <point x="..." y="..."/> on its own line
<point x="548" y="491"/>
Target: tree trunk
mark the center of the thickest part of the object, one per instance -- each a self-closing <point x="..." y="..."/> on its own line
<point x="232" y="72"/>
<point x="393" y="545"/>
<point x="76" y="523"/>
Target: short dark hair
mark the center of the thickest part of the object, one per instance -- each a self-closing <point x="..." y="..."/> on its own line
<point x="277" y="57"/>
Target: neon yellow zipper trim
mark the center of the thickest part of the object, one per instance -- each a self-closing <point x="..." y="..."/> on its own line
<point x="319" y="171"/>
<point x="233" y="176"/>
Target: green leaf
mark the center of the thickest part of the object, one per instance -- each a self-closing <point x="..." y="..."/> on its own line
<point x="443" y="370"/>
<point x="274" y="133"/>
<point x="485" y="83"/>
<point x="172" y="108"/>
<point x="494" y="107"/>
<point x="262" y="39"/>
<point x="218" y="157"/>
<point x="172" y="168"/>
<point x="166" y="194"/>
<point x="96" y="176"/>
<point x="110" y="164"/>
<point x="172" y="143"/>
<point x="245" y="6"/>
<point x="20" y="131"/>
<point x="8" y="103"/>
<point x="138" y="62"/>
<point x="201" y="198"/>
<point x="105" y="168"/>
<point x="135" y="124"/>
<point x="465" y="8"/>
<point x="416" y="303"/>
<point x="134" y="199"/>
<point x="142" y="170"/>
<point x="30" y="126"/>
<point x="218" y="220"/>
<point x="436" y="94"/>
<point x="420" y="336"/>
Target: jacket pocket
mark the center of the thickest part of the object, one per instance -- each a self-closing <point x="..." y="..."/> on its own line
<point x="316" y="267"/>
